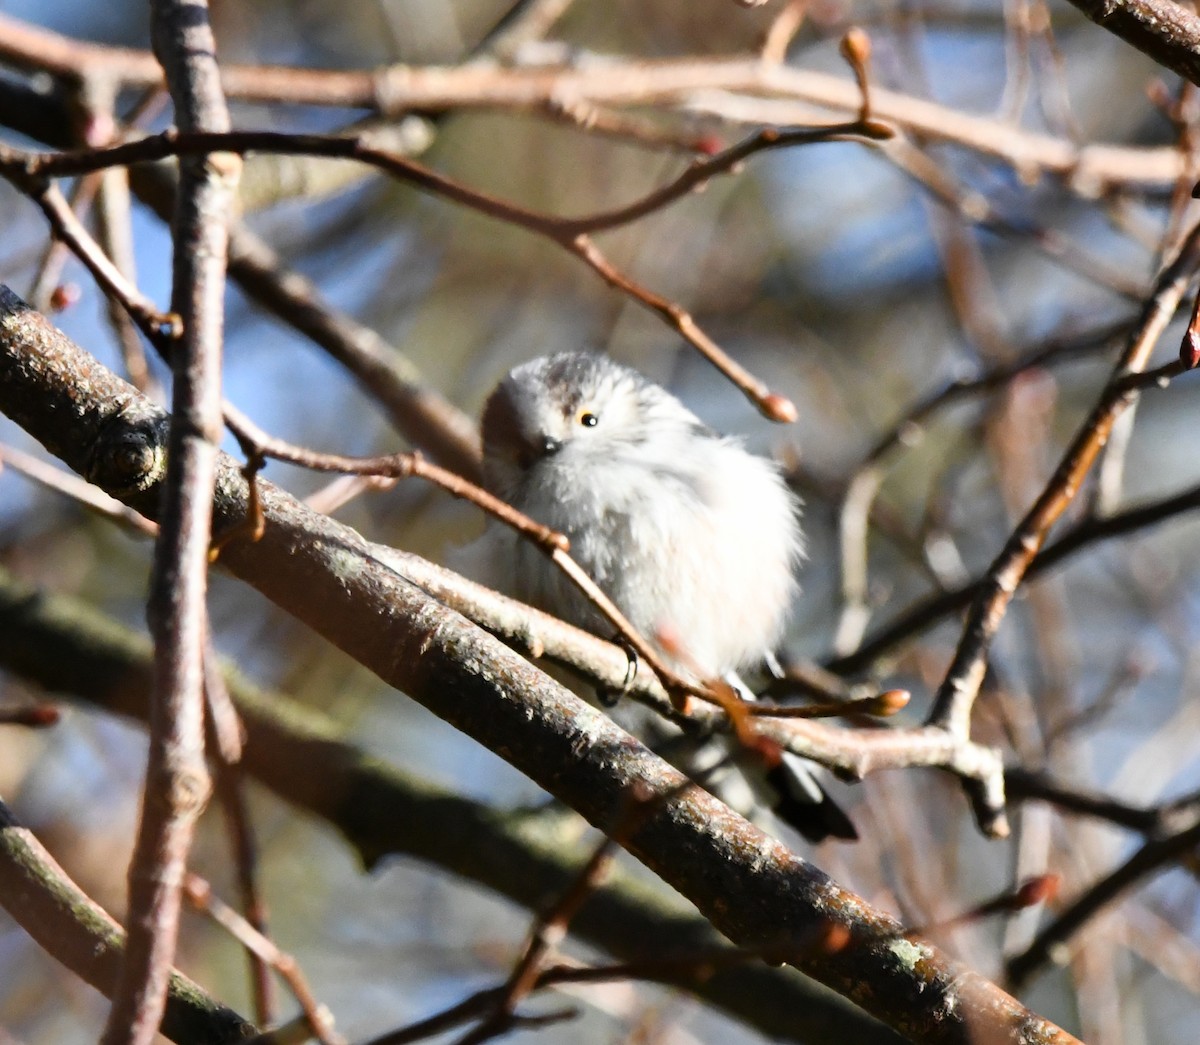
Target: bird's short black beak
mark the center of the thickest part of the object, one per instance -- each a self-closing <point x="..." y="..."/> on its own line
<point x="537" y="450"/>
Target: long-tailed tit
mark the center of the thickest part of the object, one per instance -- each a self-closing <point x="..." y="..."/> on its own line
<point x="690" y="535"/>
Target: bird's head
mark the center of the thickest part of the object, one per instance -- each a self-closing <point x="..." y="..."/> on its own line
<point x="568" y="409"/>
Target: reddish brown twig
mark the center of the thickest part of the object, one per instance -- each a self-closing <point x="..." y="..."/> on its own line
<point x="319" y="1020"/>
<point x="1155" y="856"/>
<point x="1189" y="347"/>
<point x="47" y="294"/>
<point x="469" y="1008"/>
<point x="884" y="705"/>
<point x="162" y="327"/>
<point x="573" y="234"/>
<point x="34" y="716"/>
<point x="771" y="404"/>
<point x="251" y="526"/>
<point x="114" y="221"/>
<point x="678" y="688"/>
<point x="258" y="443"/>
<point x="1029" y="893"/>
<point x="855" y="47"/>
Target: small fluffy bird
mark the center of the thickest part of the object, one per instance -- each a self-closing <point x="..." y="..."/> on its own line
<point x="689" y="534"/>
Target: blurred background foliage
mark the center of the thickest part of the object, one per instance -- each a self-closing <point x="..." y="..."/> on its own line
<point x="825" y="270"/>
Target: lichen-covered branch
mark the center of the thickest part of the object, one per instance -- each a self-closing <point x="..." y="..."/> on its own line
<point x="66" y="646"/>
<point x="747" y="884"/>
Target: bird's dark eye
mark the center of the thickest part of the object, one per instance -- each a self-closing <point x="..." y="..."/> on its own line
<point x="588" y="419"/>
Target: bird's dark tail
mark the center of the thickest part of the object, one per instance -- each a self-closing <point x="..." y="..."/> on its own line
<point x="803" y="804"/>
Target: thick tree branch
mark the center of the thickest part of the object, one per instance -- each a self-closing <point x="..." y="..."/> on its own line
<point x="66" y="646"/>
<point x="1167" y="31"/>
<point x="321" y="572"/>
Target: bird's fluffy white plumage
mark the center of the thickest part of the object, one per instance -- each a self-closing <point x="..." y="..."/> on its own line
<point x="689" y="534"/>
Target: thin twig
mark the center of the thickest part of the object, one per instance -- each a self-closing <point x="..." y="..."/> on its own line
<point x="47" y="292"/>
<point x="114" y="223"/>
<point x="685" y="968"/>
<point x="956" y="696"/>
<point x="1155" y="856"/>
<point x="259" y="444"/>
<point x="867" y="477"/>
<point x="70" y="485"/>
<point x="572" y="234"/>
<point x="551" y="926"/>
<point x="200" y="893"/>
<point x="172" y="143"/>
<point x="255" y="441"/>
<point x="770" y="404"/>
<point x="157" y="325"/>
<point x="1024" y="785"/>
<point x="740" y="90"/>
<point x="32" y="716"/>
<point x="226" y="739"/>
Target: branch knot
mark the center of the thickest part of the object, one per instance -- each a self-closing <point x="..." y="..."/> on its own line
<point x="130" y="455"/>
